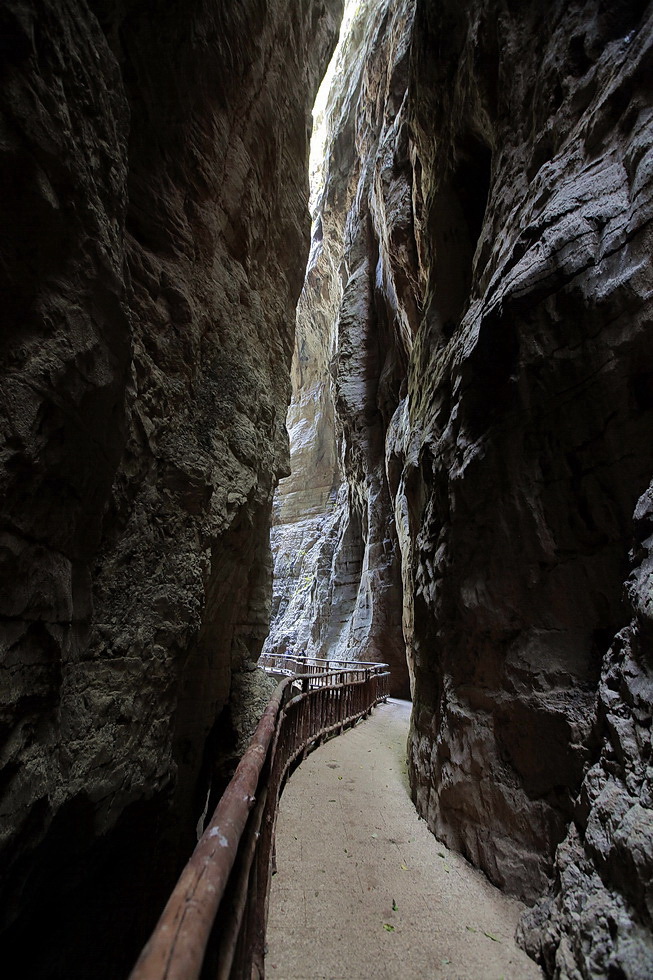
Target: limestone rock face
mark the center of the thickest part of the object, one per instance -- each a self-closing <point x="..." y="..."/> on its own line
<point x="337" y="558"/>
<point x="529" y="412"/>
<point x="470" y="435"/>
<point x="597" y="922"/>
<point x="487" y="207"/>
<point x="154" y="234"/>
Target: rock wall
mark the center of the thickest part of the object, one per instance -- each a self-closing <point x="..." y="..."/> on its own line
<point x="597" y="921"/>
<point x="527" y="445"/>
<point x="471" y="431"/>
<point x="337" y="559"/>
<point x="153" y="161"/>
<point x="529" y="410"/>
<point x="491" y="371"/>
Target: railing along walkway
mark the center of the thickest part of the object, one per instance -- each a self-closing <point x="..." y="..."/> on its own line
<point x="293" y="665"/>
<point x="214" y="922"/>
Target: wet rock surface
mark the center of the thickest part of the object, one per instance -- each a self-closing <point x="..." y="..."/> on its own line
<point x="154" y="233"/>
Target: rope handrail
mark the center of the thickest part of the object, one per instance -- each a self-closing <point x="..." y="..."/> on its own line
<point x="213" y="924"/>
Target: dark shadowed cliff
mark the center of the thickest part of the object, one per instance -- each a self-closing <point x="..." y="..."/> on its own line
<point x="153" y="164"/>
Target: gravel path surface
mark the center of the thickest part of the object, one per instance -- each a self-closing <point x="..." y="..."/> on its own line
<point x="364" y="890"/>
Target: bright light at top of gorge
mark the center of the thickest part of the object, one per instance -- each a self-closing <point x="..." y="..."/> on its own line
<point x="319" y="136"/>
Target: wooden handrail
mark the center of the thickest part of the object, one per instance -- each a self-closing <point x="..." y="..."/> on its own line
<point x="327" y="663"/>
<point x="290" y="665"/>
<point x="214" y="921"/>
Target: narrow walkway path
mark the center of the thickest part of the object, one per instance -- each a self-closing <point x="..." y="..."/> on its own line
<point x="364" y="890"/>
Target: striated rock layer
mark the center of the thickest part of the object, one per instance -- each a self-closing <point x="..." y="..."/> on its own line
<point x="153" y="161"/>
<point x="529" y="411"/>
<point x="526" y="439"/>
<point x="485" y="241"/>
<point x="337" y="557"/>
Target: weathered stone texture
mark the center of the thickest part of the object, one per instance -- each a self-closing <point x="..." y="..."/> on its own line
<point x="338" y="574"/>
<point x="153" y="161"/>
<point x="529" y="408"/>
<point x="491" y="374"/>
<point x="598" y="921"/>
<point x="470" y="432"/>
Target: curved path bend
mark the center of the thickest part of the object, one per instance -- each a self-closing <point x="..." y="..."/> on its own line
<point x="364" y="890"/>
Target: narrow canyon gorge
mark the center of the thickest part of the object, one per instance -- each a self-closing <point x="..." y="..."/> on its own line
<point x="461" y="325"/>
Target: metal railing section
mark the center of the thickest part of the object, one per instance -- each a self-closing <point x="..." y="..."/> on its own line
<point x="213" y="925"/>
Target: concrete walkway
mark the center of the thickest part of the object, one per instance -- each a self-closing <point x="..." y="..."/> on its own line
<point x="364" y="890"/>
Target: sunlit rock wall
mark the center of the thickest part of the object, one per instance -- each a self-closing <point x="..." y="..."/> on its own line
<point x="154" y="236"/>
<point x="337" y="560"/>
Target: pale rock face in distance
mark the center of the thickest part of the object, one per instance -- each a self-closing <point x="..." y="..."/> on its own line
<point x="337" y="590"/>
